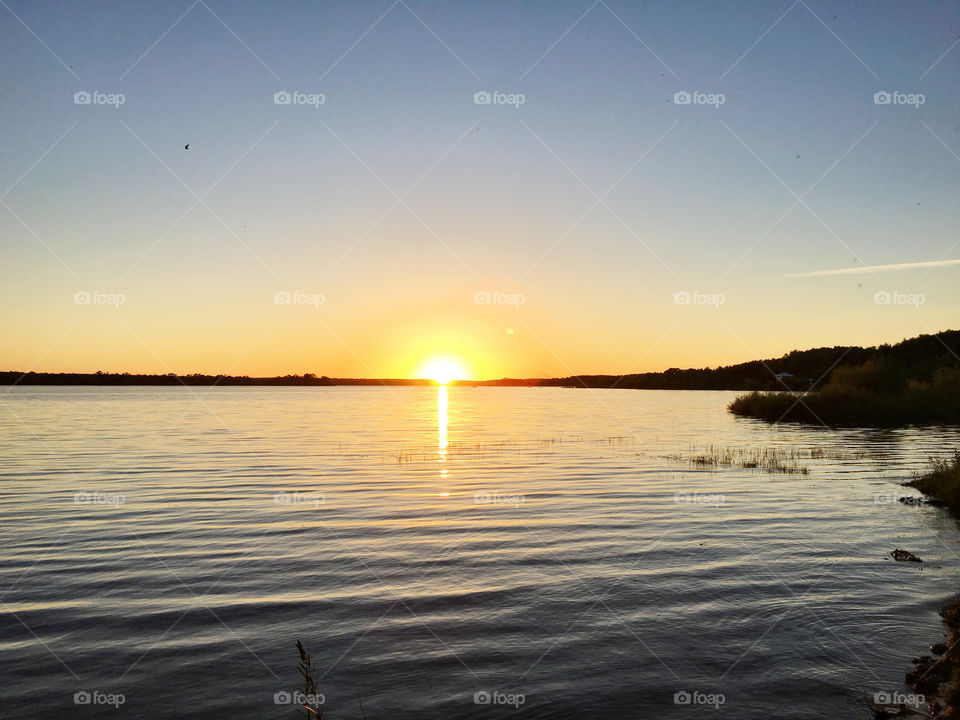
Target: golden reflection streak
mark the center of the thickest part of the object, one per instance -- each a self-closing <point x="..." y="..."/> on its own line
<point x="442" y="429"/>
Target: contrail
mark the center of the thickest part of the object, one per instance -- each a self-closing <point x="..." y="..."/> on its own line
<point x="876" y="268"/>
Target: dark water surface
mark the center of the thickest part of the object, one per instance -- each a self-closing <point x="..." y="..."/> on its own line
<point x="171" y="544"/>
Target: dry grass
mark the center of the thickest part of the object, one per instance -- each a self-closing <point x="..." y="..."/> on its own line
<point x="308" y="686"/>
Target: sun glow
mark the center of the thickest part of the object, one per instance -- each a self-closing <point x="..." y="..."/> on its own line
<point x="442" y="370"/>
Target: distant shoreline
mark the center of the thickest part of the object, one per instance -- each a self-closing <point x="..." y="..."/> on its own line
<point x="797" y="371"/>
<point x="101" y="379"/>
<point x="651" y="381"/>
<point x="599" y="382"/>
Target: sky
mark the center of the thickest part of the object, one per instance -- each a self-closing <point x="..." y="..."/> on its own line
<point x="522" y="189"/>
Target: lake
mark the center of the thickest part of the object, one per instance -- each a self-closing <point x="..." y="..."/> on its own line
<point x="462" y="552"/>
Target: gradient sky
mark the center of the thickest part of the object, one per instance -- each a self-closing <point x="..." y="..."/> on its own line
<point x="595" y="202"/>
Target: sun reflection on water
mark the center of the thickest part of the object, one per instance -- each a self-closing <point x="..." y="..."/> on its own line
<point x="442" y="430"/>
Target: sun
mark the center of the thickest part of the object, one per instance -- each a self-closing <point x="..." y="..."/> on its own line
<point x="442" y="370"/>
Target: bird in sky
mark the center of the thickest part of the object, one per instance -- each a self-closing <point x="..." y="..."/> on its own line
<point x="187" y="146"/>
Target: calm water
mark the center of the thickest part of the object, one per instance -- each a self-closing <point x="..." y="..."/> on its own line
<point x="172" y="544"/>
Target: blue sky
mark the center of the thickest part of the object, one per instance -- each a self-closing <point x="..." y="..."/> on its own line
<point x="597" y="200"/>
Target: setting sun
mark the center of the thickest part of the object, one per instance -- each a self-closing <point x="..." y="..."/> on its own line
<point x="442" y="370"/>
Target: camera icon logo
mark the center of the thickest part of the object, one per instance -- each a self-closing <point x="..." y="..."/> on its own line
<point x="481" y="697"/>
<point x="482" y="297"/>
<point x="682" y="98"/>
<point x="482" y="98"/>
<point x="881" y="297"/>
<point x="682" y="698"/>
<point x="282" y="297"/>
<point x="883" y="698"/>
<point x="82" y="697"/>
<point x="682" y="297"/>
<point x="81" y="297"/>
<point x="282" y="697"/>
<point x="82" y="98"/>
<point x="282" y="98"/>
<point x="882" y="98"/>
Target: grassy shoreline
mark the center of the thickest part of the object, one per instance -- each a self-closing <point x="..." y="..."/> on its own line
<point x="941" y="482"/>
<point x="848" y="409"/>
<point x="876" y="393"/>
<point x="937" y="676"/>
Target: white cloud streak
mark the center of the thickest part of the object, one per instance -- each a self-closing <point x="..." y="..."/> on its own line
<point x="896" y="267"/>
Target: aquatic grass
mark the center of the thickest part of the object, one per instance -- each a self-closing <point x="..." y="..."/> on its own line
<point x="786" y="461"/>
<point x="771" y="459"/>
<point x="465" y="448"/>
